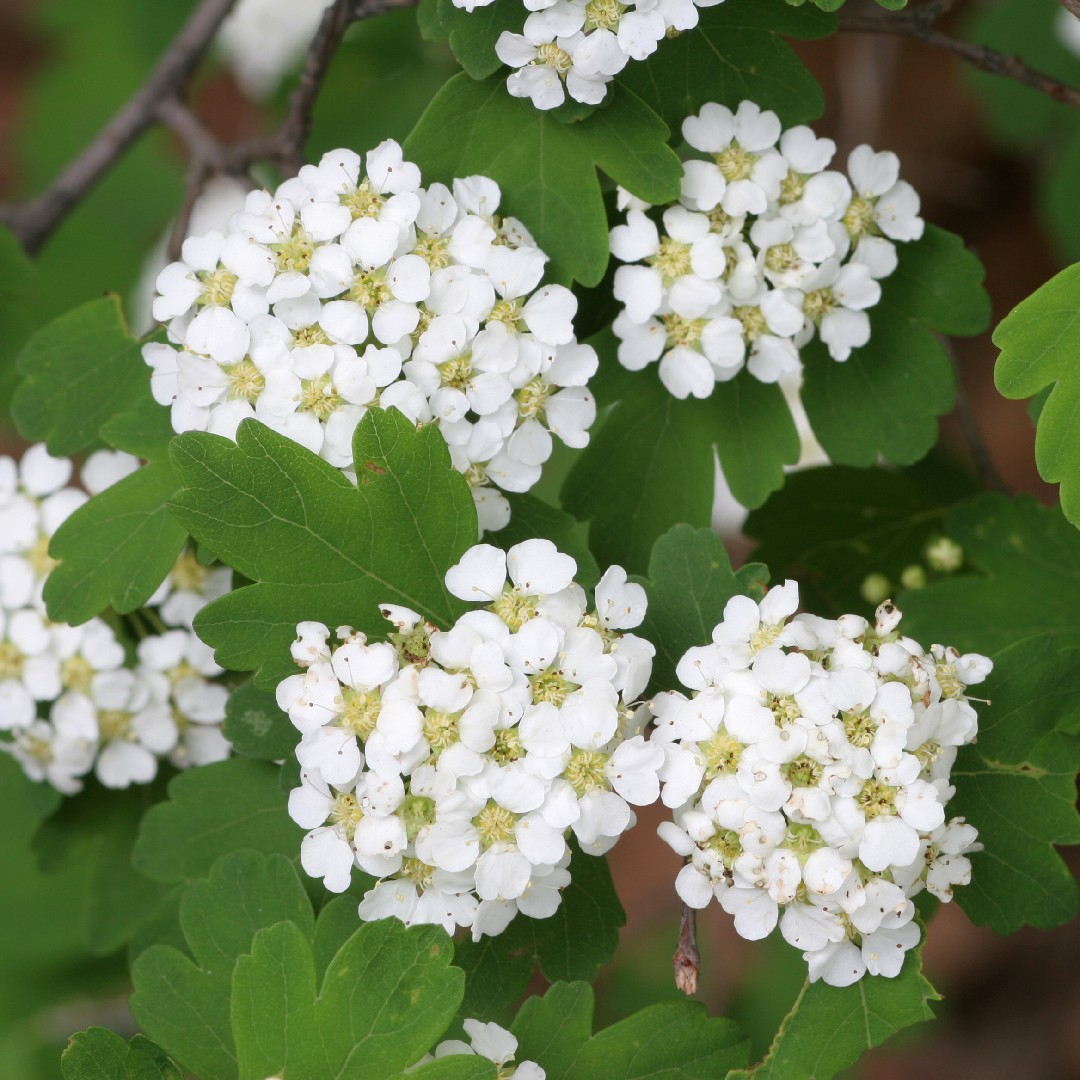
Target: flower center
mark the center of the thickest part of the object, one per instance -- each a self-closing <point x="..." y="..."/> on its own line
<point x="188" y="574"/>
<point x="781" y="258"/>
<point x="416" y="812"/>
<point x="585" y="771"/>
<point x="531" y="398"/>
<point x="457" y="372"/>
<point x="859" y="217"/>
<point x="361" y="712"/>
<point x="433" y="250"/>
<point x="859" y="728"/>
<point x="346" y="812"/>
<point x="513" y="608"/>
<point x="785" y="709"/>
<point x="39" y="558"/>
<point x="362" y="201"/>
<point x="602" y="14"/>
<point x="507" y="312"/>
<point x="217" y="287"/>
<point x="413" y="647"/>
<point x="441" y="729"/>
<point x="369" y="290"/>
<point x="419" y="873"/>
<point x="753" y="322"/>
<point x="295" y="253"/>
<point x="720" y="754"/>
<point x="735" y="163"/>
<point x="727" y="846"/>
<point x="494" y="824"/>
<point x="550" y="686"/>
<point x="803" y="771"/>
<point x="720" y="221"/>
<point x="114" y="724"/>
<point x="876" y="798"/>
<point x="12" y="660"/>
<point x="319" y="397"/>
<point x="803" y="839"/>
<point x="818" y="304"/>
<point x="765" y="635"/>
<point x="672" y="259"/>
<point x="310" y="335"/>
<point x="950" y="684"/>
<point x="245" y="380"/>
<point x="76" y="673"/>
<point x="792" y="187"/>
<point x="557" y="59"/>
<point x="682" y="331"/>
<point x="507" y="748"/>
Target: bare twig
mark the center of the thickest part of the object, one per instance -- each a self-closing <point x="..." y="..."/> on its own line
<point x="918" y="24"/>
<point x="1072" y="6"/>
<point x="687" y="959"/>
<point x="969" y="425"/>
<point x="34" y="221"/>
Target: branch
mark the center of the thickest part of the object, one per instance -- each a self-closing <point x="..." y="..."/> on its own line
<point x="918" y="24"/>
<point x="33" y="222"/>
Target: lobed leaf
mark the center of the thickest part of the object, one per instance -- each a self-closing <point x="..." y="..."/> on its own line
<point x="256" y="726"/>
<point x="314" y="546"/>
<point x="669" y="1041"/>
<point x="183" y="1001"/>
<point x="1017" y="785"/>
<point x="831" y="1027"/>
<point x="690" y="581"/>
<point x="547" y="169"/>
<point x="385" y="999"/>
<point x="100" y="1054"/>
<point x="1039" y="340"/>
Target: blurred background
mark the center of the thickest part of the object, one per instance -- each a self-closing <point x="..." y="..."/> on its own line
<point x="993" y="161"/>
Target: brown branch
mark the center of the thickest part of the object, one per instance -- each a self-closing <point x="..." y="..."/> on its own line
<point x="1072" y="6"/>
<point x="33" y="222"/>
<point x="687" y="959"/>
<point x="918" y="24"/>
<point x="969" y="426"/>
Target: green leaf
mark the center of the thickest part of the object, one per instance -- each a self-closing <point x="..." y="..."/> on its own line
<point x="650" y="464"/>
<point x="100" y="1054"/>
<point x="116" y="549"/>
<point x="735" y="53"/>
<point x="455" y="1067"/>
<point x="690" y="581"/>
<point x="831" y="527"/>
<point x="1026" y="578"/>
<point x="885" y="399"/>
<point x="532" y="517"/>
<point x="256" y="726"/>
<point x="830" y="1028"/>
<point x="1017" y="785"/>
<point x="574" y="943"/>
<point x="211" y="811"/>
<point x="385" y="999"/>
<point x="669" y="1041"/>
<point x="546" y="168"/>
<point x="79" y="371"/>
<point x="1039" y="340"/>
<point x="100" y="826"/>
<point x="473" y="33"/>
<point x="184" y="1003"/>
<point x="315" y="546"/>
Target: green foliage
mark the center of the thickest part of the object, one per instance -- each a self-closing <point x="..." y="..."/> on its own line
<point x="211" y="811"/>
<point x="573" y="944"/>
<point x="473" y="34"/>
<point x="733" y="54"/>
<point x="546" y="168"/>
<point x="829" y="1028"/>
<point x="385" y="999"/>
<point x="885" y="399"/>
<point x="831" y="527"/>
<point x="1025" y="581"/>
<point x="690" y="581"/>
<point x="315" y="546"/>
<point x="650" y="464"/>
<point x="84" y="383"/>
<point x="183" y="1001"/>
<point x="97" y="829"/>
<point x="1039" y="341"/>
<point x="670" y="1041"/>
<point x="1017" y="784"/>
<point x="98" y="1054"/>
<point x="255" y="725"/>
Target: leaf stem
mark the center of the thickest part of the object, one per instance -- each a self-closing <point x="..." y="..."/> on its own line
<point x="687" y="959"/>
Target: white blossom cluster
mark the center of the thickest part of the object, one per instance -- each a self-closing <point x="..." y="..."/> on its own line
<point x="577" y="47"/>
<point x="344" y="291"/>
<point x="487" y="1041"/>
<point x="809" y="775"/>
<point x="765" y="248"/>
<point x="70" y="701"/>
<point x="453" y="764"/>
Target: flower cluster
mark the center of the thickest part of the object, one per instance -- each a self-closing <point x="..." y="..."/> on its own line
<point x="70" y="703"/>
<point x="765" y="248"/>
<point x="452" y="764"/>
<point x="487" y="1041"/>
<point x="577" y="47"/>
<point x="342" y="292"/>
<point x="809" y="774"/>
